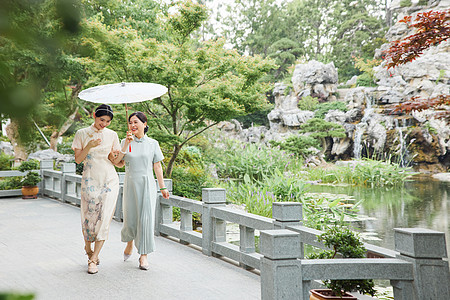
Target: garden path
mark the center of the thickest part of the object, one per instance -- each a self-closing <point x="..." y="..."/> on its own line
<point x="41" y="252"/>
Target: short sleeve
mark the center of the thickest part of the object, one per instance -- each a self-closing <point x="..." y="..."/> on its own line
<point x="77" y="141"/>
<point x="115" y="145"/>
<point x="158" y="156"/>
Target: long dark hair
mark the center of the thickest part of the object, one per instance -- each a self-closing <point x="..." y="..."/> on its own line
<point x="141" y="116"/>
<point x="104" y="110"/>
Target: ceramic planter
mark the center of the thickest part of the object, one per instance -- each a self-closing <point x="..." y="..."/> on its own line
<point x="30" y="192"/>
<point x="326" y="294"/>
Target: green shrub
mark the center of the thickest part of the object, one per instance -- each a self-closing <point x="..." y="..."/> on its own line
<point x="29" y="165"/>
<point x="31" y="179"/>
<point x="323" y="108"/>
<point x="308" y="103"/>
<point x="15" y="296"/>
<point x="365" y="80"/>
<point x="349" y="245"/>
<point x="188" y="182"/>
<point x="299" y="145"/>
<point x="11" y="183"/>
<point x="5" y="161"/>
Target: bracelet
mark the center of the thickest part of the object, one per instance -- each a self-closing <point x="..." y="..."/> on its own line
<point x="164" y="188"/>
<point x="123" y="152"/>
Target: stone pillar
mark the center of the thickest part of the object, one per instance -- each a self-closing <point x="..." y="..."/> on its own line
<point x="67" y="168"/>
<point x="425" y="249"/>
<point x="212" y="229"/>
<point x="281" y="274"/>
<point x="246" y="242"/>
<point x="288" y="214"/>
<point x="45" y="165"/>
<point x="164" y="213"/>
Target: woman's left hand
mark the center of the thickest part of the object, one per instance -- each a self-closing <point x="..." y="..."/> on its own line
<point x="165" y="194"/>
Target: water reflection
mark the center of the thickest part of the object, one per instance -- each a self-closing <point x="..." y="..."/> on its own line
<point x="424" y="202"/>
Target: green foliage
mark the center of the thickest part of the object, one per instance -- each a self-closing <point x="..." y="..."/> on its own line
<point x="5" y="161"/>
<point x="255" y="161"/>
<point x="15" y="296"/>
<point x="299" y="145"/>
<point x="189" y="176"/>
<point x="323" y="108"/>
<point x="365" y="80"/>
<point x="285" y="52"/>
<point x="11" y="183"/>
<point x="349" y="245"/>
<point x="258" y="195"/>
<point x="405" y="3"/>
<point x="31" y="179"/>
<point x="369" y="172"/>
<point x="308" y="103"/>
<point x="29" y="165"/>
<point x="258" y="118"/>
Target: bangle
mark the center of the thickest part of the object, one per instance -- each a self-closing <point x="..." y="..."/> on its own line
<point x="164" y="188"/>
<point x="123" y="152"/>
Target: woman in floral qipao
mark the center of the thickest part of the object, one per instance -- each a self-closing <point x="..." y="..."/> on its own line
<point x="99" y="183"/>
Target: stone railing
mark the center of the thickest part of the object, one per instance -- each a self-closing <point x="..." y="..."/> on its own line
<point x="416" y="269"/>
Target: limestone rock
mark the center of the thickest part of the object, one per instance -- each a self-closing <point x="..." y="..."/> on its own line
<point x="50" y="154"/>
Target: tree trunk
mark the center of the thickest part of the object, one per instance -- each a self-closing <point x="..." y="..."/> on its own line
<point x="176" y="151"/>
<point x="58" y="133"/>
<point x="12" y="131"/>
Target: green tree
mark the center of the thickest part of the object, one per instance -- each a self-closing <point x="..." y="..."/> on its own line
<point x="206" y="82"/>
<point x="33" y="41"/>
<point x="321" y="130"/>
<point x="285" y="52"/>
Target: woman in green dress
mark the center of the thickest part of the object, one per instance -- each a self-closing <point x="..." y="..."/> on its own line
<point x="140" y="154"/>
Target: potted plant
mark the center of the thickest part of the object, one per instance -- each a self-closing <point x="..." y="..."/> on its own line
<point x="30" y="180"/>
<point x="345" y="244"/>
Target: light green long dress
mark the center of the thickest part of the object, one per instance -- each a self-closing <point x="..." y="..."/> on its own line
<point x="139" y="193"/>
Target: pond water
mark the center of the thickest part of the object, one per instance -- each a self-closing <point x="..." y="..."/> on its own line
<point x="423" y="202"/>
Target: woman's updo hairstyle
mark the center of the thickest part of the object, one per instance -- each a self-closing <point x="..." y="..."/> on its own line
<point x="104" y="110"/>
<point x="141" y="116"/>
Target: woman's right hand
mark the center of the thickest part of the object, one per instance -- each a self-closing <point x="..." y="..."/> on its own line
<point x="94" y="143"/>
<point x="129" y="137"/>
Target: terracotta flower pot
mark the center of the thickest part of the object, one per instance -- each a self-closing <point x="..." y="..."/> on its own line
<point x="30" y="192"/>
<point x="326" y="294"/>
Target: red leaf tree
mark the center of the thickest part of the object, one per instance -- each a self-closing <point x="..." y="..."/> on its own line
<point x="432" y="28"/>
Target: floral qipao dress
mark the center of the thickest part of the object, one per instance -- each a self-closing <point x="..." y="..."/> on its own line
<point x="99" y="183"/>
<point x="139" y="193"/>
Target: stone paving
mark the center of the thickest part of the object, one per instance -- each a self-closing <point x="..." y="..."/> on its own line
<point x="41" y="251"/>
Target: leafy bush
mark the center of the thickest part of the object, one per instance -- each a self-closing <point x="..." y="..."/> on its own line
<point x="11" y="183"/>
<point x="349" y="245"/>
<point x="31" y="179"/>
<point x="188" y="175"/>
<point x="365" y="80"/>
<point x="15" y="296"/>
<point x="323" y="108"/>
<point x="29" y="165"/>
<point x="5" y="161"/>
<point x="308" y="103"/>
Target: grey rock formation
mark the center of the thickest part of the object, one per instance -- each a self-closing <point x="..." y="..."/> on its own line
<point x="49" y="154"/>
<point x="7" y="148"/>
<point x="315" y="79"/>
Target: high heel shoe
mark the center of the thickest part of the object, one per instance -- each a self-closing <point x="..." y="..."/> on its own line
<point x="126" y="256"/>
<point x="144" y="267"/>
<point x="92" y="267"/>
<point x="89" y="254"/>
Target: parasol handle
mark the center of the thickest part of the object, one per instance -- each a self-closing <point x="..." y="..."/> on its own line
<point x="126" y="116"/>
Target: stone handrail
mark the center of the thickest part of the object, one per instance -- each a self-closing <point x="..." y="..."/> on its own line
<point x="413" y="268"/>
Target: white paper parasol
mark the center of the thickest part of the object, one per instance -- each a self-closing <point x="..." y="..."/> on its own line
<point x="123" y="93"/>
